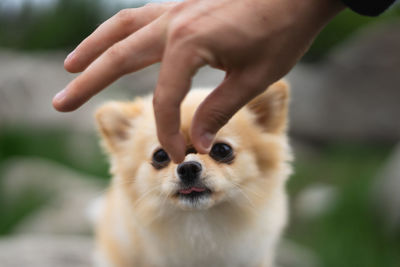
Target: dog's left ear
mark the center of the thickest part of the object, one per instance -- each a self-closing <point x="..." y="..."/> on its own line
<point x="114" y="120"/>
<point x="271" y="108"/>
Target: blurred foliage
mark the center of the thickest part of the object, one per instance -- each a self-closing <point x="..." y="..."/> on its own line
<point x="352" y="232"/>
<point x="68" y="22"/>
<point x="344" y="26"/>
<point x="61" y="26"/>
<point x="16" y="210"/>
<point x="52" y="144"/>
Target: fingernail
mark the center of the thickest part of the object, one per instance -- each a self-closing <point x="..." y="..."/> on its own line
<point x="59" y="97"/>
<point x="206" y="140"/>
<point x="178" y="159"/>
<point x="70" y="55"/>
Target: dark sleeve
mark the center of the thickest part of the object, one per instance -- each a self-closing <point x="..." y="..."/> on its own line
<point x="368" y="7"/>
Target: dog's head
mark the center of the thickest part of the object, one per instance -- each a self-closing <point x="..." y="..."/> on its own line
<point x="247" y="160"/>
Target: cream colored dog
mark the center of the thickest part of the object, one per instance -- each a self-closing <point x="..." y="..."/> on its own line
<point x="227" y="208"/>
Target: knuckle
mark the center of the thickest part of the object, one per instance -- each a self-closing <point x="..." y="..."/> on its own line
<point x="155" y="9"/>
<point x="116" y="54"/>
<point x="154" y="6"/>
<point x="177" y="9"/>
<point x="151" y="5"/>
<point x="125" y="17"/>
<point x="182" y="31"/>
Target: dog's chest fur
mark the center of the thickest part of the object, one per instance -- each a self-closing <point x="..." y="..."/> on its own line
<point x="208" y="239"/>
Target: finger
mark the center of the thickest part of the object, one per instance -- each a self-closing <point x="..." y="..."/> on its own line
<point x="216" y="110"/>
<point x="133" y="53"/>
<point x="115" y="29"/>
<point x="177" y="68"/>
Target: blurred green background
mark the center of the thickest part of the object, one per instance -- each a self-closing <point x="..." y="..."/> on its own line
<point x="350" y="232"/>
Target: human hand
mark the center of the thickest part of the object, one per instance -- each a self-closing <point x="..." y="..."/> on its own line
<point x="255" y="41"/>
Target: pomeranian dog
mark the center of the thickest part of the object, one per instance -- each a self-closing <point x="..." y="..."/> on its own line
<point x="227" y="208"/>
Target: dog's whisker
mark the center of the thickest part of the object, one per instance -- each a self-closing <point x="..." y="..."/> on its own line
<point x="247" y="188"/>
<point x="245" y="195"/>
<point x="165" y="198"/>
<point x="145" y="194"/>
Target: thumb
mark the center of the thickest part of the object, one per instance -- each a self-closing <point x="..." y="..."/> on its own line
<point x="219" y="107"/>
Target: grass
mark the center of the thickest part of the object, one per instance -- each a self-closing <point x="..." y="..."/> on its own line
<point x="60" y="27"/>
<point x="352" y="233"/>
<point x="55" y="145"/>
<point x="52" y="145"/>
<point x="22" y="206"/>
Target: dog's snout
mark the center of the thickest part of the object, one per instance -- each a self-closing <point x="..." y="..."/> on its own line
<point x="189" y="171"/>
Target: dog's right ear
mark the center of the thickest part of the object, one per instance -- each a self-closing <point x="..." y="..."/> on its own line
<point x="114" y="120"/>
<point x="271" y="108"/>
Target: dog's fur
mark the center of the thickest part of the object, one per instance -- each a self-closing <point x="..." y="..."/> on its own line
<point x="144" y="223"/>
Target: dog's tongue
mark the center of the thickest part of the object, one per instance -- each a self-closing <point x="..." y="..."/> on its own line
<point x="192" y="189"/>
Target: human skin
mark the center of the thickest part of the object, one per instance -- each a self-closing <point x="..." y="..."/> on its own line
<point x="256" y="42"/>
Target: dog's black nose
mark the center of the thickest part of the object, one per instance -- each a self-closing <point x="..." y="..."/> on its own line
<point x="189" y="171"/>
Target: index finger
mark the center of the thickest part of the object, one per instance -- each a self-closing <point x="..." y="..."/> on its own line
<point x="113" y="30"/>
<point x="129" y="55"/>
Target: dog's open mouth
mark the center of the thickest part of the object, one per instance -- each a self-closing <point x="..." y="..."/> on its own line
<point x="193" y="193"/>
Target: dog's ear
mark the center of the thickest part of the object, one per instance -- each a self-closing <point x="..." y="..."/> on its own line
<point x="271" y="108"/>
<point x="114" y="121"/>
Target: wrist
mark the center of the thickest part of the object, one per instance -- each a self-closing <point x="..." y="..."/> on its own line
<point x="321" y="10"/>
<point x="313" y="15"/>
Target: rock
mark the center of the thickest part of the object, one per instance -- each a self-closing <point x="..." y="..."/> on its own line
<point x="69" y="195"/>
<point x="354" y="94"/>
<point x="28" y="83"/>
<point x="46" y="251"/>
<point x="314" y="201"/>
<point x="77" y="251"/>
<point x="290" y="254"/>
<point x="386" y="192"/>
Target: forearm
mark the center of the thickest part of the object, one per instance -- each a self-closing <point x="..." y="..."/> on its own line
<point x="317" y="12"/>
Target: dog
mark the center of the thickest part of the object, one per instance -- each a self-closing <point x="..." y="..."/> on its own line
<point x="225" y="208"/>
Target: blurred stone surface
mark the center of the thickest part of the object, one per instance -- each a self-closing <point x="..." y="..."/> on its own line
<point x="355" y="94"/>
<point x="28" y="83"/>
<point x="69" y="195"/>
<point x="315" y="200"/>
<point x="45" y="251"/>
<point x="77" y="251"/>
<point x="290" y="254"/>
<point x="386" y="192"/>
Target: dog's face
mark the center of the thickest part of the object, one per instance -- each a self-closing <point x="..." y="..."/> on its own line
<point x="247" y="160"/>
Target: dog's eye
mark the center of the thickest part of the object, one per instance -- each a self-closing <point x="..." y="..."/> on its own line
<point x="222" y="152"/>
<point x="160" y="159"/>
